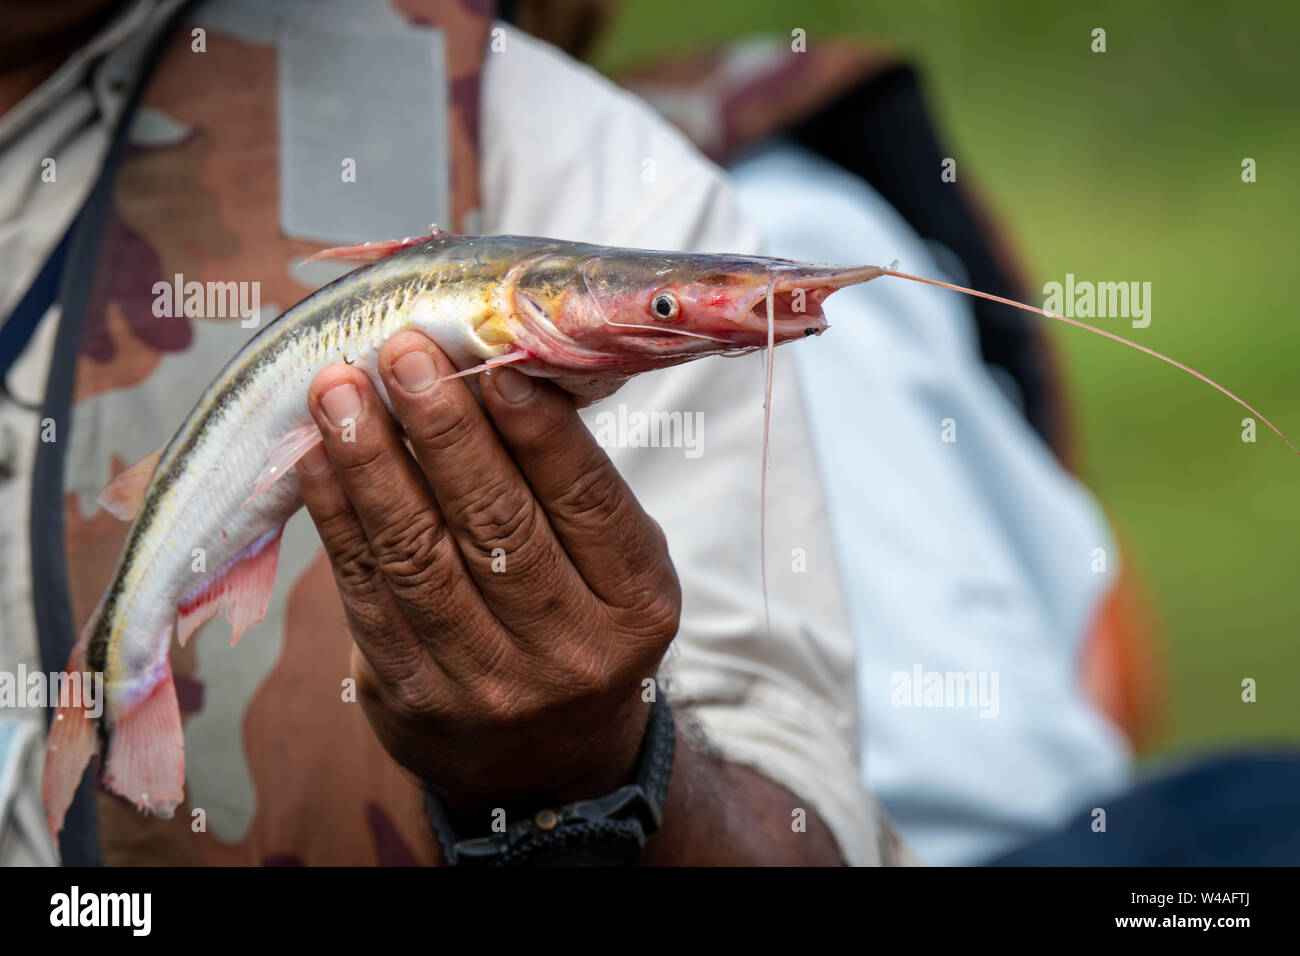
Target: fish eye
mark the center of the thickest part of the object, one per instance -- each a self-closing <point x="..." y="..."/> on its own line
<point x="664" y="306"/>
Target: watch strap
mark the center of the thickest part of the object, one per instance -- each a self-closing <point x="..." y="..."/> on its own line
<point x="605" y="831"/>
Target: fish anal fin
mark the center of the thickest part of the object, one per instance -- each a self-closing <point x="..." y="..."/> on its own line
<point x="295" y="443"/>
<point x="70" y="744"/>
<point x="379" y="249"/>
<point x="242" y="589"/>
<point x="193" y="614"/>
<point x="146" y="754"/>
<point x="123" y="495"/>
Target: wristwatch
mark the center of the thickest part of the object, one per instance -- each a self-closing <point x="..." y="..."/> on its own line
<point x="607" y="831"/>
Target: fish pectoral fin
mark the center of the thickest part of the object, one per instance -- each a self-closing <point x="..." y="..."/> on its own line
<point x="242" y="588"/>
<point x="379" y="249"/>
<point x="146" y="754"/>
<point x="295" y="443"/>
<point x="123" y="495"/>
<point x="514" y="355"/>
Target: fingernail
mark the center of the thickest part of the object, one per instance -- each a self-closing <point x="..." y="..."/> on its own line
<point x="415" y="371"/>
<point x="341" y="403"/>
<point x="315" y="461"/>
<point x="514" y="387"/>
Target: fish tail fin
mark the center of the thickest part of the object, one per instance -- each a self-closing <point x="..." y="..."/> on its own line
<point x="146" y="754"/>
<point x="71" y="742"/>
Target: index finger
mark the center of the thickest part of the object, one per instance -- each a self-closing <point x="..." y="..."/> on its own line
<point x="619" y="550"/>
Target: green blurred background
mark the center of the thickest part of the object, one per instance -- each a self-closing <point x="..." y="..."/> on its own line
<point x="1127" y="166"/>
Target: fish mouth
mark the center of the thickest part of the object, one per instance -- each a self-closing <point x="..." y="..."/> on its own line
<point x="797" y="300"/>
<point x="795" y="312"/>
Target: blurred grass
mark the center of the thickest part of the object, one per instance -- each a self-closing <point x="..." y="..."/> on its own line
<point x="1127" y="166"/>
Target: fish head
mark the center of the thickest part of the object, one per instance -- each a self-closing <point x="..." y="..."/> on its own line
<point x="634" y="310"/>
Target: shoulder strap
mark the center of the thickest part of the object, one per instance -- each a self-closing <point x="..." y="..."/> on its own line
<point x="77" y="253"/>
<point x="17" y="331"/>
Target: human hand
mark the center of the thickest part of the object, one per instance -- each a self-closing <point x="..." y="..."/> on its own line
<point x="507" y="593"/>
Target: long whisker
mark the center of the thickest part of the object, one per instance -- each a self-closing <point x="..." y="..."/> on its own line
<point x="767" y="433"/>
<point x="1110" y="335"/>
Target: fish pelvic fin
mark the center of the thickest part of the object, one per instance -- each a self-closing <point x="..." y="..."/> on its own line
<point x="379" y="249"/>
<point x="146" y="754"/>
<point x="71" y="742"/>
<point x="123" y="495"/>
<point x="242" y="588"/>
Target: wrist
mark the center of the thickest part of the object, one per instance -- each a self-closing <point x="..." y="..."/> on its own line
<point x="602" y="760"/>
<point x="576" y="756"/>
<point x="606" y="827"/>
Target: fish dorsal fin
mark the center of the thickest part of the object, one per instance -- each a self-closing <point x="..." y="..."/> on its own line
<point x="123" y="495"/>
<point x="379" y="249"/>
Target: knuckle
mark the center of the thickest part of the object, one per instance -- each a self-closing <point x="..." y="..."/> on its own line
<point x="355" y="461"/>
<point x="658" y="538"/>
<point x="595" y="497"/>
<point x="501" y="703"/>
<point x="372" y="466"/>
<point x="411" y="552"/>
<point x="587" y="676"/>
<point x="498" y="692"/>
<point x="414" y="695"/>
<point x="354" y="562"/>
<point x="502" y="516"/>
<point x="440" y="429"/>
<point x="657" y="615"/>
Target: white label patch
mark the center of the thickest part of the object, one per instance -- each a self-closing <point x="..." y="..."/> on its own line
<point x="363" y="132"/>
